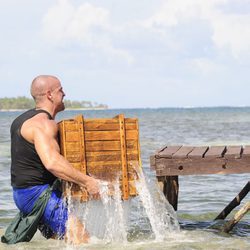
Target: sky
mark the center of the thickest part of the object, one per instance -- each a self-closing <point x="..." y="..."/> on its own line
<point x="129" y="53"/>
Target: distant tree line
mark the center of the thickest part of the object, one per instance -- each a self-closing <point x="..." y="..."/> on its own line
<point x="23" y="102"/>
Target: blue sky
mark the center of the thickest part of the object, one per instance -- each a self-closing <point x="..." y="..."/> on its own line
<point x="130" y="53"/>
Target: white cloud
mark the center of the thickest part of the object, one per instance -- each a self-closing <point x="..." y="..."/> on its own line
<point x="204" y="66"/>
<point x="230" y="30"/>
<point x="86" y="25"/>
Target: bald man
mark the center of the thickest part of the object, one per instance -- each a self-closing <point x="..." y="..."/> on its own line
<point x="36" y="162"/>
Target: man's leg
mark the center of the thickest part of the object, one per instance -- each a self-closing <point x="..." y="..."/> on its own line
<point x="76" y="232"/>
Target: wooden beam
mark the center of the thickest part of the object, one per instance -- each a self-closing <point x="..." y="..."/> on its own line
<point x="237" y="217"/>
<point x="125" y="186"/>
<point x="234" y="203"/>
<point x="171" y="190"/>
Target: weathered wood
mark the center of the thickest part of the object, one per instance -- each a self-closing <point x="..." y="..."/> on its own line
<point x="110" y="155"/>
<point x="105" y="148"/>
<point x="215" y="152"/>
<point x="152" y="162"/>
<point x="172" y="161"/>
<point x="246" y="151"/>
<point x="234" y="203"/>
<point x="123" y="134"/>
<point x="188" y="160"/>
<point x="168" y="152"/>
<point x="82" y="150"/>
<point x="171" y="167"/>
<point x="171" y="190"/>
<point x="139" y="164"/>
<point x="237" y="217"/>
<point x="198" y="152"/>
<point x="95" y="146"/>
<point x="233" y="152"/>
<point x="182" y="152"/>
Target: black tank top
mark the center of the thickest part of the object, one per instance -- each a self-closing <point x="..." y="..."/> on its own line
<point x="26" y="166"/>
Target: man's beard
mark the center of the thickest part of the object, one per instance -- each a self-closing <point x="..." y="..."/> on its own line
<point x="61" y="107"/>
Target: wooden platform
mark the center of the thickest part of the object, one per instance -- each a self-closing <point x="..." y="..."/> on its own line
<point x="193" y="160"/>
<point x="172" y="161"/>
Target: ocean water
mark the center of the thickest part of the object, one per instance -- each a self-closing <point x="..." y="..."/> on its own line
<point x="201" y="198"/>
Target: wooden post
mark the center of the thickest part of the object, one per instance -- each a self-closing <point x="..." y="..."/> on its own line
<point x="125" y="185"/>
<point x="234" y="203"/>
<point x="237" y="217"/>
<point x="80" y="121"/>
<point x="171" y="190"/>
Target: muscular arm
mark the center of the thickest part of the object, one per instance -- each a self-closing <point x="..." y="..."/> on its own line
<point x="45" y="141"/>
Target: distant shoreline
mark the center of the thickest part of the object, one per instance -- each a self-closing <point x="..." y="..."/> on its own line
<point x="70" y="109"/>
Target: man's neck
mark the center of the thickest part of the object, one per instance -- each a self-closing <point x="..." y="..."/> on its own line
<point x="39" y="107"/>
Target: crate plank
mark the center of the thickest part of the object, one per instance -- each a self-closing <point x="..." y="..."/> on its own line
<point x="109" y="145"/>
<point x="107" y="135"/>
<point x="102" y="135"/>
<point x="110" y="155"/>
<point x="71" y="125"/>
<point x="71" y="136"/>
<point x="106" y="126"/>
<point x="72" y="146"/>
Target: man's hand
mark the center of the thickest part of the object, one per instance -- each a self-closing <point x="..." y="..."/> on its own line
<point x="93" y="188"/>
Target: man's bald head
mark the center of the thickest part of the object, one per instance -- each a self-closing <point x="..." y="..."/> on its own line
<point x="41" y="84"/>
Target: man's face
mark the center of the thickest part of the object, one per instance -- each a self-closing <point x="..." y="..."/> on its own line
<point x="58" y="95"/>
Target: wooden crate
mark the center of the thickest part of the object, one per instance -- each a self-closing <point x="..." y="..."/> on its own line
<point x="104" y="148"/>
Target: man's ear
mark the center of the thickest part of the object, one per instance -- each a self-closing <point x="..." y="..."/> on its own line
<point x="49" y="95"/>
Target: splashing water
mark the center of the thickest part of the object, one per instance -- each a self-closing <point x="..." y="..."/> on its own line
<point x="111" y="219"/>
<point x="160" y="213"/>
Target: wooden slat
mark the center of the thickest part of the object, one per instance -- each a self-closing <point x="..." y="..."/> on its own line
<point x="108" y="135"/>
<point x="198" y="152"/>
<point x="246" y="151"/>
<point x="93" y="146"/>
<point x="131" y="134"/>
<point x="110" y="156"/>
<point x="62" y="139"/>
<point x="123" y="136"/>
<point x="169" y="151"/>
<point x="71" y="136"/>
<point x="72" y="146"/>
<point x="215" y="152"/>
<point x="91" y="126"/>
<point x="106" y="126"/>
<point x="76" y="165"/>
<point x="80" y="122"/>
<point x="183" y="152"/>
<point x="101" y="120"/>
<point x="161" y="149"/>
<point x="130" y="120"/>
<point x="233" y="151"/>
<point x="138" y="142"/>
<point x="70" y="125"/>
<point x="102" y="135"/>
